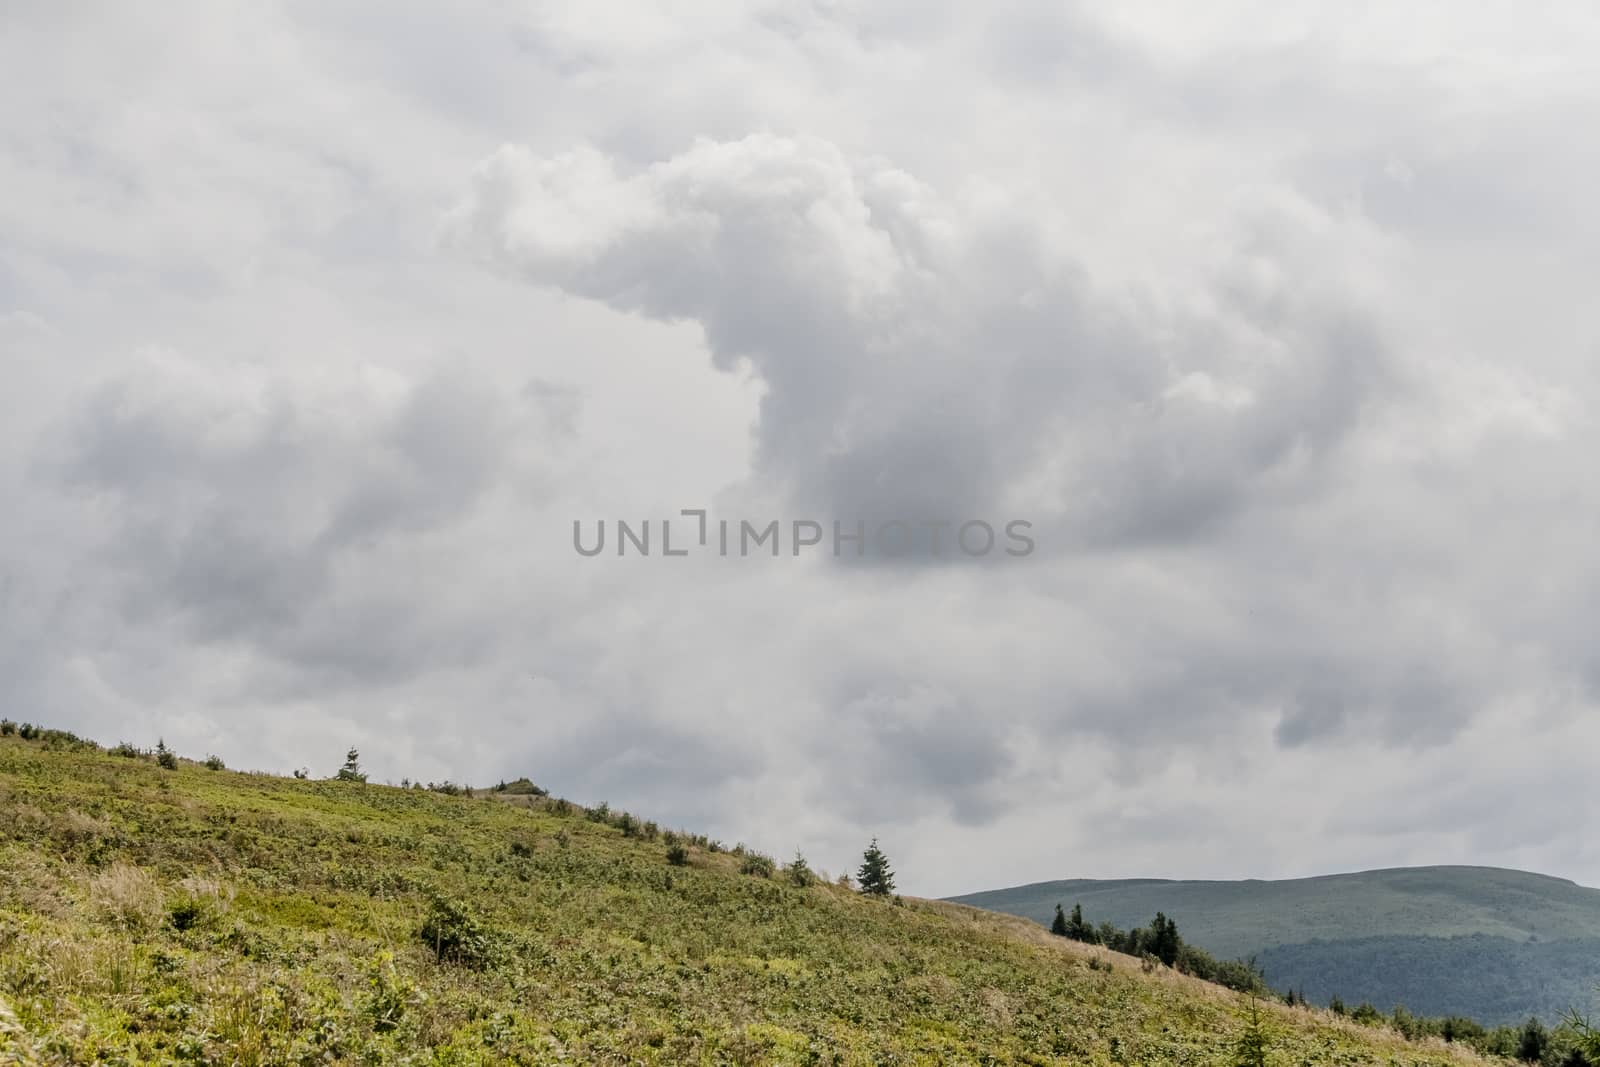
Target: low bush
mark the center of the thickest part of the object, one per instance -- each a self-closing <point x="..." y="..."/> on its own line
<point x="456" y="934"/>
<point x="756" y="864"/>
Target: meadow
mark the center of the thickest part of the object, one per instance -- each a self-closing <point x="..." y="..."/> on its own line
<point x="193" y="914"/>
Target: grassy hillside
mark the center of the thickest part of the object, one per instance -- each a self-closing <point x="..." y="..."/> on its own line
<point x="1493" y="944"/>
<point x="193" y="915"/>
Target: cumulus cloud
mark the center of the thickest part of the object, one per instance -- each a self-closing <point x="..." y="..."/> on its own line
<point x="921" y="356"/>
<point x="1275" y="328"/>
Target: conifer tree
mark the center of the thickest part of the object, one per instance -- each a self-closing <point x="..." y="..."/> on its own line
<point x="1532" y="1041"/>
<point x="1250" y="1050"/>
<point x="1058" y="925"/>
<point x="1079" y="930"/>
<point x="1587" y="1034"/>
<point x="1162" y="942"/>
<point x="874" y="876"/>
<point x="351" y="771"/>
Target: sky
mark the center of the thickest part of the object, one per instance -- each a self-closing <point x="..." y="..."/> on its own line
<point x="323" y="323"/>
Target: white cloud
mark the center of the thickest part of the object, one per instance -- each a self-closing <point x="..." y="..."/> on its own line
<point x="319" y="329"/>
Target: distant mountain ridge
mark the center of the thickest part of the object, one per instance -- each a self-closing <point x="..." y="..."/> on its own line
<point x="1408" y="935"/>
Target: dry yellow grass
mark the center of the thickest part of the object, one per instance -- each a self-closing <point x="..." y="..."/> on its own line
<point x="127" y="896"/>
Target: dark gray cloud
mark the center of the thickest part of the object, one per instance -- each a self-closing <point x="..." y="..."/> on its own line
<point x="247" y="507"/>
<point x="921" y="361"/>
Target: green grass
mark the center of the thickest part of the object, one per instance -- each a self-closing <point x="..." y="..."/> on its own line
<point x="191" y="915"/>
<point x="1496" y="945"/>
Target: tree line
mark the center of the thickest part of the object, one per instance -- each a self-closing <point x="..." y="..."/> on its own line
<point x="1574" y="1042"/>
<point x="1160" y="942"/>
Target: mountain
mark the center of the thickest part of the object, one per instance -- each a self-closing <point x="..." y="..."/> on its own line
<point x="1494" y="944"/>
<point x="153" y="914"/>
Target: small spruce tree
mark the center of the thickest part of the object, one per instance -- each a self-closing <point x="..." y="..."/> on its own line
<point x="1078" y="929"/>
<point x="1250" y="1050"/>
<point x="1587" y="1035"/>
<point x="874" y="876"/>
<point x="1163" y="942"/>
<point x="1532" y="1042"/>
<point x="165" y="757"/>
<point x="1058" y="925"/>
<point x="351" y="771"/>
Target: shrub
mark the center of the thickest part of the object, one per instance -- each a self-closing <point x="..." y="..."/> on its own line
<point x="456" y="935"/>
<point x="520" y="787"/>
<point x="214" y="763"/>
<point x="756" y="864"/>
<point x="125" y="750"/>
<point x="677" y="855"/>
<point x="389" y="995"/>
<point x="165" y="757"/>
<point x="1245" y="976"/>
<point x="7" y="727"/>
<point x="186" y="912"/>
<point x="799" y="871"/>
<point x="601" y="812"/>
<point x="627" y="824"/>
<point x="27" y="731"/>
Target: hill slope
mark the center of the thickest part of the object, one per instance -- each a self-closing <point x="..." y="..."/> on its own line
<point x="1491" y="943"/>
<point x="151" y="915"/>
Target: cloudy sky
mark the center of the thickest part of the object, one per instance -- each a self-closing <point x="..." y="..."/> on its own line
<point x="321" y="323"/>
